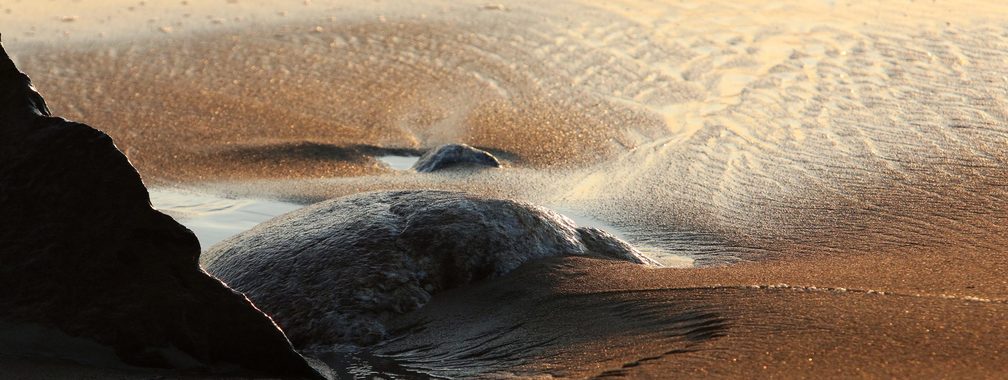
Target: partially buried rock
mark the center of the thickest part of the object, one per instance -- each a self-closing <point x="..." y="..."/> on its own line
<point x="334" y="273"/>
<point x="83" y="254"/>
<point x="454" y="155"/>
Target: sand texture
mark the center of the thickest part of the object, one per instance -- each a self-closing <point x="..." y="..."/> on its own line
<point x="838" y="171"/>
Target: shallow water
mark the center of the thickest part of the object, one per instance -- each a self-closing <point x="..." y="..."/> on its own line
<point x="398" y="162"/>
<point x="215" y="218"/>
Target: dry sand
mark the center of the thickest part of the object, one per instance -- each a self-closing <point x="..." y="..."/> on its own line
<point x="856" y="152"/>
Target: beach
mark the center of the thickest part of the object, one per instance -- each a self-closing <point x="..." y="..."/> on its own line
<point x="827" y="181"/>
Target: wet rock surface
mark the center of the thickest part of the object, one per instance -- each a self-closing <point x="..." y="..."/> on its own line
<point x="83" y="253"/>
<point x="454" y="155"/>
<point x="334" y="273"/>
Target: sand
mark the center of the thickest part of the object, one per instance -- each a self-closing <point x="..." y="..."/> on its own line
<point x="607" y="319"/>
<point x="856" y="152"/>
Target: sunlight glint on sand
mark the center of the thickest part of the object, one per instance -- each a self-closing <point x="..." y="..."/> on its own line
<point x="822" y="144"/>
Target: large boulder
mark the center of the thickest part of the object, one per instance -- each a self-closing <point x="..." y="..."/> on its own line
<point x="83" y="254"/>
<point x="334" y="273"/>
<point x="454" y="155"/>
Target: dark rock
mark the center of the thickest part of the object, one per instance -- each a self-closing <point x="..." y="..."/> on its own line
<point x="83" y="253"/>
<point x="454" y="155"/>
<point x="335" y="272"/>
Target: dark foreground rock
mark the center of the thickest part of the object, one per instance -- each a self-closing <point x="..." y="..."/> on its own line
<point x="337" y="271"/>
<point x="83" y="254"/>
<point x="454" y="155"/>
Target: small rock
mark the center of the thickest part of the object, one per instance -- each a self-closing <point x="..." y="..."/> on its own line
<point x="454" y="155"/>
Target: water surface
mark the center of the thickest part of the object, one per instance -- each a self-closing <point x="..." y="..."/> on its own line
<point x="215" y="218"/>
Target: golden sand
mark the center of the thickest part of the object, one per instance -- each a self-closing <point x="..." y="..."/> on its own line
<point x="839" y="170"/>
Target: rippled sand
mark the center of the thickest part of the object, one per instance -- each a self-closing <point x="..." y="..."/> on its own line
<point x="856" y="152"/>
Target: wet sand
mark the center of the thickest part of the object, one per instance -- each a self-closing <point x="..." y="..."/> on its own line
<point x="689" y="322"/>
<point x="838" y="171"/>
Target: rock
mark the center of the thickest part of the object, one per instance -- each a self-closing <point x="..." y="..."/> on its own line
<point x="454" y="155"/>
<point x="334" y="273"/>
<point x="84" y="254"/>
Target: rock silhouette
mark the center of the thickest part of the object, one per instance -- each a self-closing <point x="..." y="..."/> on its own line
<point x="454" y="155"/>
<point x="345" y="266"/>
<point x="83" y="253"/>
